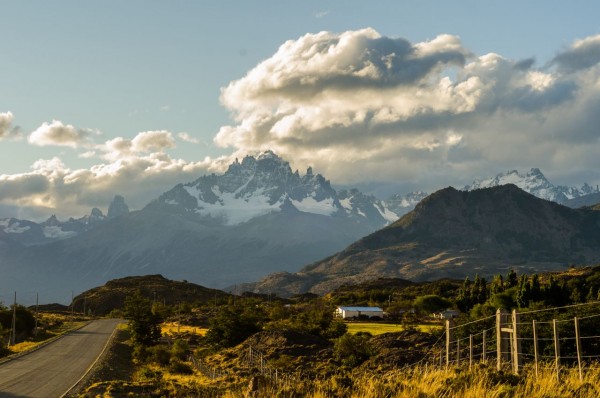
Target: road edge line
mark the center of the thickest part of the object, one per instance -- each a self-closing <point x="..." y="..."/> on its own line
<point x="89" y="369"/>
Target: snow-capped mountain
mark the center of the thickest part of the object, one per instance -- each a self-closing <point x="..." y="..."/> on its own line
<point x="265" y="184"/>
<point x="536" y="184"/>
<point x="256" y="218"/>
<point x="29" y="233"/>
<point x="402" y="204"/>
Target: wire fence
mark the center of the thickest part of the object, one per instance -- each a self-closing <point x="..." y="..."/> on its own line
<point x="256" y="358"/>
<point x="208" y="371"/>
<point x="253" y="359"/>
<point x="544" y="338"/>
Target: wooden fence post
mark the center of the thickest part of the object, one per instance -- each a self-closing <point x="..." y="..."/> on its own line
<point x="578" y="342"/>
<point x="470" y="351"/>
<point x="483" y="350"/>
<point x="449" y="338"/>
<point x="535" y="348"/>
<point x="517" y="360"/>
<point x="556" y="350"/>
<point x="501" y="342"/>
<point x="457" y="352"/>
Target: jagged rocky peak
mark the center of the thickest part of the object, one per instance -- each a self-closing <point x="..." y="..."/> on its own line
<point x="265" y="183"/>
<point x="52" y="221"/>
<point x="96" y="216"/>
<point x="117" y="207"/>
<point x="96" y="213"/>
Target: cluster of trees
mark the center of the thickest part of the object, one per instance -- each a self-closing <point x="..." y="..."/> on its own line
<point x="236" y="322"/>
<point x="24" y="323"/>
<point x="524" y="291"/>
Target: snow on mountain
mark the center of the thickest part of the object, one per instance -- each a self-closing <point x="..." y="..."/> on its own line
<point x="536" y="184"/>
<point x="264" y="184"/>
<point x="30" y="233"/>
<point x="13" y="226"/>
<point x="402" y="204"/>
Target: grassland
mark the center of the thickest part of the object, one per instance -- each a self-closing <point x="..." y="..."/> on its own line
<point x="55" y="325"/>
<point x="173" y="328"/>
<point x="377" y="328"/>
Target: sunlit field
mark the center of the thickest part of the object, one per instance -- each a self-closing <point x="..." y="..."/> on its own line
<point x="376" y="328"/>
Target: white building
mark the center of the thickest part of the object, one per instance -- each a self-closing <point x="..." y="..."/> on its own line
<point x="356" y="312"/>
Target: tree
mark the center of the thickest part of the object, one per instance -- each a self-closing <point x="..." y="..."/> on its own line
<point x="24" y="322"/>
<point x="523" y="292"/>
<point x="512" y="279"/>
<point x="143" y="323"/>
<point x="431" y="303"/>
<point x="536" y="288"/>
<point x="232" y="325"/>
<point x="497" y="285"/>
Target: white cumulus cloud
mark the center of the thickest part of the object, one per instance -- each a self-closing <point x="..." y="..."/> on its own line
<point x="358" y="104"/>
<point x="59" y="134"/>
<point x="7" y="130"/>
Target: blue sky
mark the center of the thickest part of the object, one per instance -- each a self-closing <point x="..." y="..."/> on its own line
<point x="80" y="81"/>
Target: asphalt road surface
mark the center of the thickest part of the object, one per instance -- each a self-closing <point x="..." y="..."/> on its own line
<point x="52" y="370"/>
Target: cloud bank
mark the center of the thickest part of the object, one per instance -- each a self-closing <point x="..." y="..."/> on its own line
<point x="137" y="168"/>
<point x="358" y="106"/>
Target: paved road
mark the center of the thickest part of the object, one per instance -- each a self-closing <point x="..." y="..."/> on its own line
<point x="52" y="370"/>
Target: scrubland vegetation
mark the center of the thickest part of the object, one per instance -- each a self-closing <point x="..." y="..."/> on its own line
<point x="317" y="355"/>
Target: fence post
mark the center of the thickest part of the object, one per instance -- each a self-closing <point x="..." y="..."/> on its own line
<point x="535" y="348"/>
<point x="470" y="352"/>
<point x="449" y="338"/>
<point x="578" y="342"/>
<point x="457" y="352"/>
<point x="517" y="360"/>
<point x="556" y="350"/>
<point x="484" y="349"/>
<point x="501" y="342"/>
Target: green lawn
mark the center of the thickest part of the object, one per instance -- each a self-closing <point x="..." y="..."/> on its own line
<point x="376" y="328"/>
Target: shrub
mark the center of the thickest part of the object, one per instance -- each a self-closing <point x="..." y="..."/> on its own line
<point x="177" y="366"/>
<point x="353" y="349"/>
<point x="159" y="354"/>
<point x="180" y="349"/>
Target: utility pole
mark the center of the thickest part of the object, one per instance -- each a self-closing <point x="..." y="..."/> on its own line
<point x="72" y="306"/>
<point x="37" y="296"/>
<point x="13" y="332"/>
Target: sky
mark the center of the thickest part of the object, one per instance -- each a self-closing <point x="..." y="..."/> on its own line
<point x="131" y="98"/>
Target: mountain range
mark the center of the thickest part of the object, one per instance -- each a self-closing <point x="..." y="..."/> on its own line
<point x="257" y="218"/>
<point x="455" y="233"/>
<point x="536" y="183"/>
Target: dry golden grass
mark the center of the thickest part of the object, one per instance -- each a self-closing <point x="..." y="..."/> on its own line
<point x="376" y="328"/>
<point x="172" y="328"/>
<point x="429" y="382"/>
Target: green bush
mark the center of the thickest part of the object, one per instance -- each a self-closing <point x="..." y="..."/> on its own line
<point x="180" y="349"/>
<point x="159" y="354"/>
<point x="353" y="349"/>
<point x="177" y="366"/>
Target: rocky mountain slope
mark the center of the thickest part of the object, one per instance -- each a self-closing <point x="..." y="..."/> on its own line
<point x="456" y="233"/>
